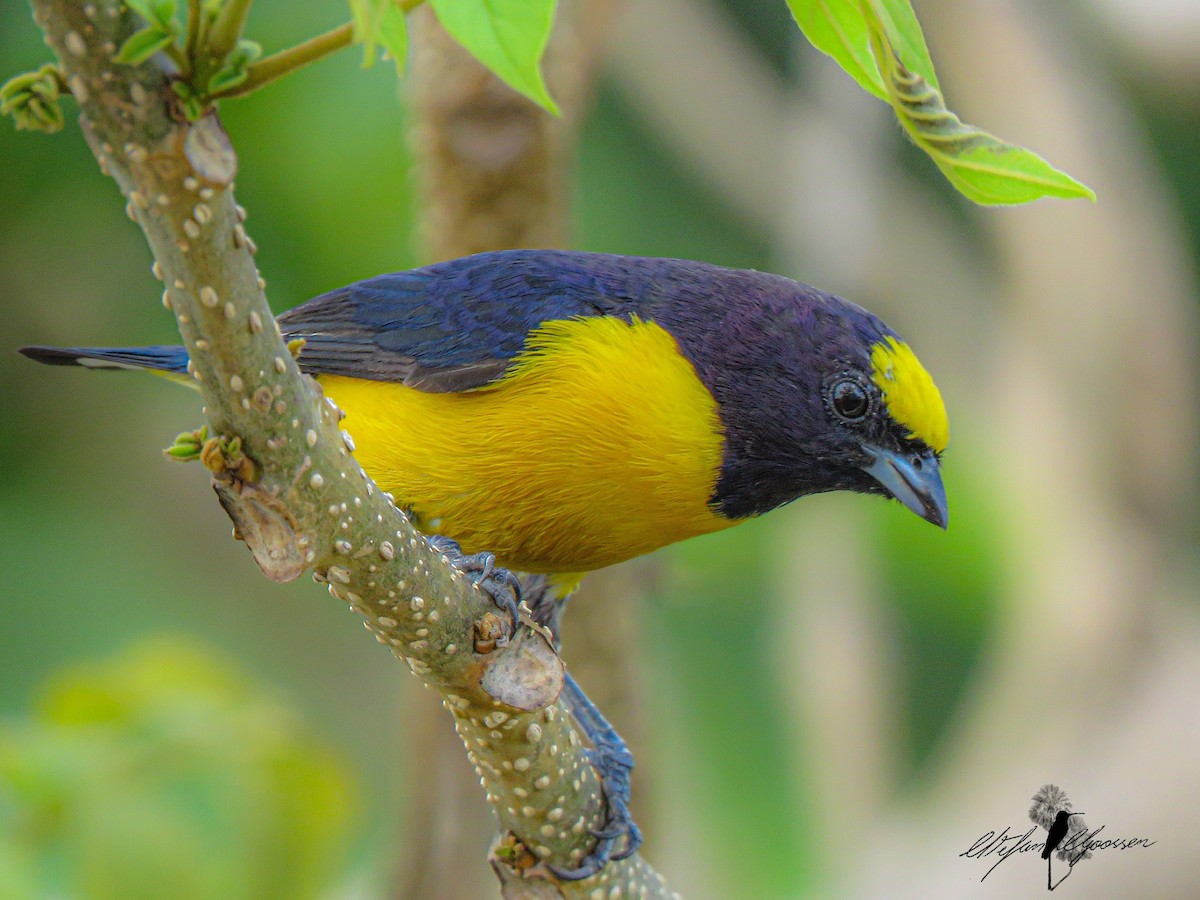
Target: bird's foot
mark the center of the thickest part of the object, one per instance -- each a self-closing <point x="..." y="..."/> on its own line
<point x="620" y="837"/>
<point x="498" y="583"/>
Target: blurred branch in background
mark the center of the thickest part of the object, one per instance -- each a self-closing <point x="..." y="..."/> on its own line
<point x="494" y="172"/>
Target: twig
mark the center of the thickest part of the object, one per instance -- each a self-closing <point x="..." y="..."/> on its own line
<point x="227" y="28"/>
<point x="287" y="61"/>
<point x="195" y="23"/>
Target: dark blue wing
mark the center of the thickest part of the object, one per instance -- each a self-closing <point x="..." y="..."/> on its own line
<point x="457" y="325"/>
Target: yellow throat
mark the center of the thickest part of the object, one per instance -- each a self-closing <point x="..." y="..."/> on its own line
<point x="598" y="445"/>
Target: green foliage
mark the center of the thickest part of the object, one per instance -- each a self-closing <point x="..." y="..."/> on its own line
<point x="32" y="99"/>
<point x="141" y="45"/>
<point x="159" y="33"/>
<point x="380" y="22"/>
<point x="839" y="28"/>
<point x="233" y="72"/>
<point x="507" y="36"/>
<point x="165" y="772"/>
<point x="155" y="12"/>
<point x="982" y="167"/>
<point x="880" y="44"/>
<point x="192" y="104"/>
<point x="187" y="445"/>
<point x="393" y="35"/>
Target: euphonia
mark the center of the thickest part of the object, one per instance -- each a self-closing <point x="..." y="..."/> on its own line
<point x="567" y="410"/>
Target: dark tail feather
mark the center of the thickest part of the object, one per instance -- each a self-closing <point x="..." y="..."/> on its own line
<point x="158" y="359"/>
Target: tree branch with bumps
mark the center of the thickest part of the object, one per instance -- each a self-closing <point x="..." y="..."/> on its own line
<point x="286" y="475"/>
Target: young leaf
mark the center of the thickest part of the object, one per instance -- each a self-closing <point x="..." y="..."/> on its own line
<point x="983" y="168"/>
<point x="393" y="34"/>
<point x="900" y="23"/>
<point x="234" y="71"/>
<point x="226" y="77"/>
<point x="507" y="36"/>
<point x="32" y="100"/>
<point x="248" y="50"/>
<point x="155" y="12"/>
<point x="164" y="11"/>
<point x="368" y="17"/>
<point x="379" y="22"/>
<point x="141" y="45"/>
<point x="838" y="28"/>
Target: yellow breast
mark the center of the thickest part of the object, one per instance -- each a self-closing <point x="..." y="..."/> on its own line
<point x="600" y="444"/>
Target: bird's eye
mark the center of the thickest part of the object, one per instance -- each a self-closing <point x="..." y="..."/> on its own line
<point x="850" y="399"/>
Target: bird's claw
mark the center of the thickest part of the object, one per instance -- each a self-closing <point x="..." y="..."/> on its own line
<point x="613" y="764"/>
<point x="502" y="585"/>
<point x="618" y="825"/>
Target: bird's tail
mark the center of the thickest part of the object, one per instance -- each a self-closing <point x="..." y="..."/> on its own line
<point x="170" y="361"/>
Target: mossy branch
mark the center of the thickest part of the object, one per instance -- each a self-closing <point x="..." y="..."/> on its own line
<point x="295" y="493"/>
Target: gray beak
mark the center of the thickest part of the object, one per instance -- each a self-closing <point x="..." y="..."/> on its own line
<point x="915" y="479"/>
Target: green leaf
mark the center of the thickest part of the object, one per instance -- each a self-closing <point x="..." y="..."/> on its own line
<point x="983" y="168"/>
<point x="507" y="36"/>
<point x="900" y="22"/>
<point x="879" y="43"/>
<point x="838" y="28"/>
<point x="193" y="109"/>
<point x="225" y="78"/>
<point x="187" y="445"/>
<point x="142" y="45"/>
<point x="164" y="10"/>
<point x="368" y="15"/>
<point x="31" y="98"/>
<point x="155" y="12"/>
<point x="393" y="34"/>
<point x="47" y="117"/>
<point x="234" y="71"/>
<point x="142" y="8"/>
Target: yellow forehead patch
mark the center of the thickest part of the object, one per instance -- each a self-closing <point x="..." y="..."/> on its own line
<point x="910" y="394"/>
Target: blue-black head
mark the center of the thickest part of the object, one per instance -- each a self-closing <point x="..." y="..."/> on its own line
<point x="815" y="394"/>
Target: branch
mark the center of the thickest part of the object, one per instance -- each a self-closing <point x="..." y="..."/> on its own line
<point x="226" y="29"/>
<point x="287" y="61"/>
<point x="302" y="502"/>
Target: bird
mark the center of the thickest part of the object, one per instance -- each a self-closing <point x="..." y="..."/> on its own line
<point x="1058" y="830"/>
<point x="568" y="410"/>
<point x="554" y="412"/>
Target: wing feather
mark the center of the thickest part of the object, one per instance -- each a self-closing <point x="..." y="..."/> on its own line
<point x="457" y="326"/>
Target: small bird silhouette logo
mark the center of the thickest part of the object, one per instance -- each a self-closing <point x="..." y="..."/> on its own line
<point x="1058" y="831"/>
<point x="1052" y="810"/>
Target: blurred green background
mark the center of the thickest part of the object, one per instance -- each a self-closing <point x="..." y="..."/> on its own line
<point x="843" y="699"/>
